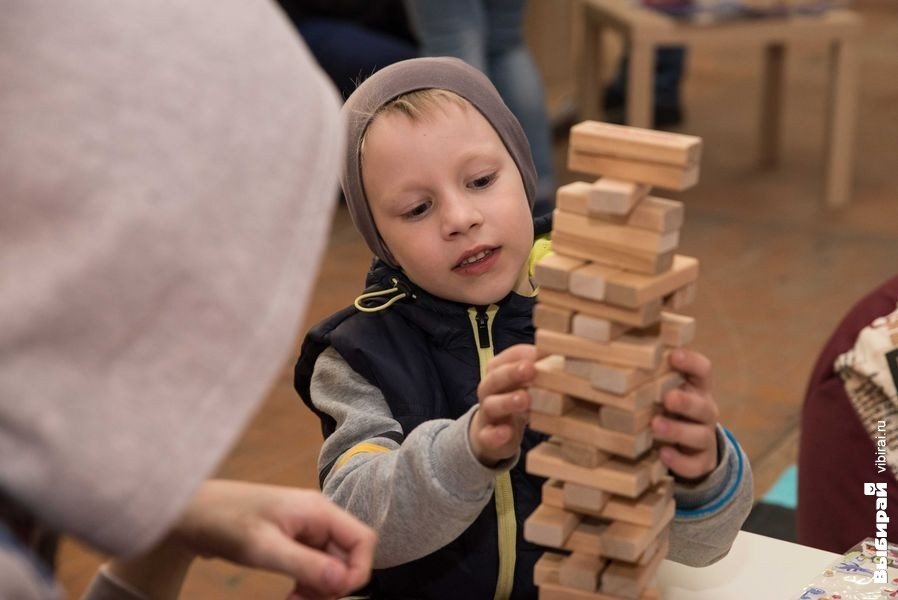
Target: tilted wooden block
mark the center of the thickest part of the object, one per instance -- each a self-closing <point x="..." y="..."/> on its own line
<point x="676" y="330"/>
<point x="553" y="270"/>
<point x="596" y="329"/>
<point x="629" y="580"/>
<point x="627" y="541"/>
<point x="597" y="251"/>
<point x="588" y="282"/>
<point x="616" y="379"/>
<point x="549" y="526"/>
<point x="652" y="213"/>
<point x="627" y="350"/>
<point x="615" y="237"/>
<point x="549" y="402"/>
<point x="548" y="563"/>
<point x="546" y="316"/>
<point x="645" y="510"/>
<point x="634" y="143"/>
<point x="681" y="298"/>
<point x="664" y="176"/>
<point x="643" y="316"/>
<point x="582" y="425"/>
<point x="550" y="375"/>
<point x="585" y="455"/>
<point x="630" y="290"/>
<point x="581" y="571"/>
<point x="615" y="197"/>
<point x="582" y="498"/>
<point x="618" y="476"/>
<point x="626" y="421"/>
<point x="551" y="589"/>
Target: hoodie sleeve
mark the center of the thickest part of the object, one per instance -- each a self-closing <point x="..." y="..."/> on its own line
<point x="710" y="514"/>
<point x="418" y="491"/>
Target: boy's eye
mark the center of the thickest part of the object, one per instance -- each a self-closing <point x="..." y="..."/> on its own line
<point x="418" y="210"/>
<point x="482" y="182"/>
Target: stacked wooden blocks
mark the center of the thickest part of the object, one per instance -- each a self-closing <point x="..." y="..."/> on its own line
<point x="605" y="318"/>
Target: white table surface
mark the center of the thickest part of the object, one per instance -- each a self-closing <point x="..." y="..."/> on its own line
<point x="756" y="568"/>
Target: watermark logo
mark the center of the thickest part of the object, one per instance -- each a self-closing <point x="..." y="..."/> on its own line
<point x="880" y="541"/>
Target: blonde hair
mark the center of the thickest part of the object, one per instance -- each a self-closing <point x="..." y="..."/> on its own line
<point x="416" y="105"/>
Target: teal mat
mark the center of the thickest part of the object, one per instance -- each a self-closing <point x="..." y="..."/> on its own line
<point x="785" y="491"/>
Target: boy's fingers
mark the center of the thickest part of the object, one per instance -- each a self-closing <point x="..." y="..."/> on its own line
<point x="691" y="405"/>
<point x="696" y="367"/>
<point x="691" y="435"/>
<point x="688" y="466"/>
<point x="501" y="406"/>
<point x="506" y="378"/>
<point x="516" y="353"/>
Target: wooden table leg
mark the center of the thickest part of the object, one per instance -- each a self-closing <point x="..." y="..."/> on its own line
<point x="771" y="105"/>
<point x="640" y="82"/>
<point x="591" y="69"/>
<point x="840" y="122"/>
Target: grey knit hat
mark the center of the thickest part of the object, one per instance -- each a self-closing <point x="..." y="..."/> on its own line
<point x="408" y="76"/>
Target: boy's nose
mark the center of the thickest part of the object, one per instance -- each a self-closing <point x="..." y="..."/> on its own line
<point x="459" y="215"/>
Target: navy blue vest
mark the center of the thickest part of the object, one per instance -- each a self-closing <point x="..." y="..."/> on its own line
<point x="421" y="352"/>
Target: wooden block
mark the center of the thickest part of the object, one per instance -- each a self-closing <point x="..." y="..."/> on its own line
<point x="558" y="319"/>
<point x="643" y="316"/>
<point x="551" y="589"/>
<point x="681" y="298"/>
<point x="585" y="499"/>
<point x="619" y="380"/>
<point x="627" y="350"/>
<point x="574" y="197"/>
<point x="553" y="493"/>
<point x="657" y="545"/>
<point x="615" y="197"/>
<point x="631" y="290"/>
<point x="581" y="571"/>
<point x="657" y="470"/>
<point x="549" y="402"/>
<point x="596" y="251"/>
<point x="587" y="536"/>
<point x="634" y="143"/>
<point x="629" y="580"/>
<point x="627" y="541"/>
<point x="582" y="454"/>
<point x="553" y="270"/>
<point x="617" y="476"/>
<point x="550" y="375"/>
<point x="547" y="564"/>
<point x="588" y="282"/>
<point x="626" y="421"/>
<point x="549" y="526"/>
<point x="613" y="236"/>
<point x="652" y="213"/>
<point x="645" y="510"/>
<point x="676" y="330"/>
<point x="665" y="176"/>
<point x="596" y="329"/>
<point x="664" y="383"/>
<point x="582" y="425"/>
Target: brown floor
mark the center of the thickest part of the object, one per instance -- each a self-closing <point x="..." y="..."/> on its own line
<point x="777" y="270"/>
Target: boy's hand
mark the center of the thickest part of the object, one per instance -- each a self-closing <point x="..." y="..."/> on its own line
<point x="498" y="425"/>
<point x="689" y="427"/>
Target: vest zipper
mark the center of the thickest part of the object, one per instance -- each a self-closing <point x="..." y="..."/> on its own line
<point x="481" y="322"/>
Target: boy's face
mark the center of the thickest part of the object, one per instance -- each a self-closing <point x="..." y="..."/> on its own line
<point x="449" y="202"/>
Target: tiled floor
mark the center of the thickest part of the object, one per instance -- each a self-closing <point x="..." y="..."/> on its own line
<point x="777" y="269"/>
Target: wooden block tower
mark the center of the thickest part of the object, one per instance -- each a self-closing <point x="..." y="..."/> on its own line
<point x="605" y="316"/>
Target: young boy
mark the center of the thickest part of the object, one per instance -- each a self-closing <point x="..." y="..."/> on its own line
<point x="421" y="387"/>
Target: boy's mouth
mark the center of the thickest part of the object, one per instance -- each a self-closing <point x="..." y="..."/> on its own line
<point x="475" y="256"/>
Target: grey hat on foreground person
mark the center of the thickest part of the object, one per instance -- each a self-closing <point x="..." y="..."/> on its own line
<point x="167" y="174"/>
